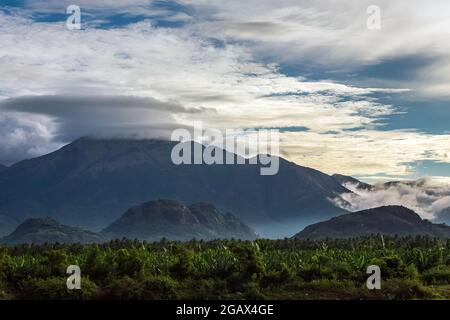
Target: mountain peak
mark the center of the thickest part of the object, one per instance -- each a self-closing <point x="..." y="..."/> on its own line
<point x="38" y="222"/>
<point x="401" y="212"/>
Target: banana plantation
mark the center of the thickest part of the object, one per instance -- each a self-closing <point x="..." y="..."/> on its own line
<point x="411" y="268"/>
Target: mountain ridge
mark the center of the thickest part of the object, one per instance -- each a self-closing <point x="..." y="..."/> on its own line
<point x="343" y="180"/>
<point x="150" y="221"/>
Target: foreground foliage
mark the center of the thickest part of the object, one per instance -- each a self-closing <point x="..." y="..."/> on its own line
<point x="412" y="268"/>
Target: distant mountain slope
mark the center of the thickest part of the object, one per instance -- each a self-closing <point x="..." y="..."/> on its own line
<point x="411" y="183"/>
<point x="41" y="230"/>
<point x="343" y="180"/>
<point x="169" y="219"/>
<point x="2" y="167"/>
<point x="90" y="183"/>
<point x="389" y="220"/>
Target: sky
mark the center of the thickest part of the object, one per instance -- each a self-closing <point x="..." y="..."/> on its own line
<point x="347" y="98"/>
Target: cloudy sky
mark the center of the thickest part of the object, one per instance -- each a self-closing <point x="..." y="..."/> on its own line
<point x="372" y="103"/>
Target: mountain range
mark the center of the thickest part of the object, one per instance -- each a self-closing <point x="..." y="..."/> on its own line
<point x="169" y="219"/>
<point x="91" y="182"/>
<point x="387" y="220"/>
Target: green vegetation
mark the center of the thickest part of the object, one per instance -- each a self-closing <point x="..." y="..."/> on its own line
<point x="412" y="268"/>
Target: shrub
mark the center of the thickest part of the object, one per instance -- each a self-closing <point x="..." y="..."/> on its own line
<point x="278" y="278"/>
<point x="401" y="289"/>
<point x="56" y="261"/>
<point x="252" y="292"/>
<point x="250" y="261"/>
<point x="128" y="263"/>
<point x="149" y="288"/>
<point x="391" y="267"/>
<point x="437" y="275"/>
<point x="6" y="265"/>
<point x="184" y="267"/>
<point x="56" y="289"/>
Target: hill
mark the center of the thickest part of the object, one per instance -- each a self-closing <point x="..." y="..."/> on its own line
<point x="170" y="219"/>
<point x="389" y="220"/>
<point x="42" y="230"/>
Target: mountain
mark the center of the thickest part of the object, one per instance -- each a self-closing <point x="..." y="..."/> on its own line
<point x="2" y="167"/>
<point x="90" y="183"/>
<point x="389" y="220"/>
<point x="41" y="230"/>
<point x="344" y="180"/>
<point x="169" y="219"/>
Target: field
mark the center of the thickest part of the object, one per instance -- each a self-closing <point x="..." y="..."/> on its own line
<point x="411" y="268"/>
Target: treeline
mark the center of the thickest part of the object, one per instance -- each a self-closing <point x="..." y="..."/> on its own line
<point x="411" y="268"/>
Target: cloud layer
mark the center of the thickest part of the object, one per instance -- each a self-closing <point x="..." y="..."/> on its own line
<point x="102" y="116"/>
<point x="333" y="36"/>
<point x="423" y="196"/>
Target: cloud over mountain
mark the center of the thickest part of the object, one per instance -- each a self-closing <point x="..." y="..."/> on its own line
<point x="423" y="196"/>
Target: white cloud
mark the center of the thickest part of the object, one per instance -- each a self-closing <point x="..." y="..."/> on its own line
<point x="423" y="196"/>
<point x="165" y="64"/>
<point x="326" y="34"/>
<point x="184" y="67"/>
<point x="25" y="136"/>
<point x="333" y="35"/>
<point x="368" y="153"/>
